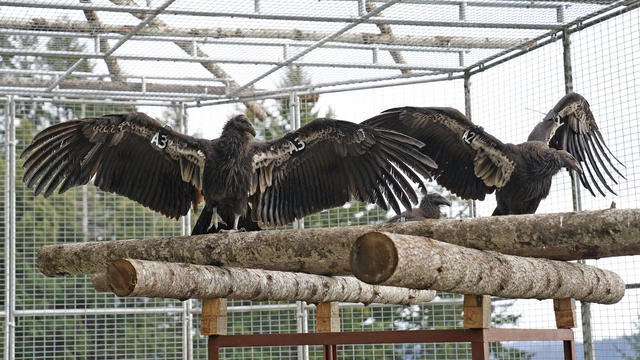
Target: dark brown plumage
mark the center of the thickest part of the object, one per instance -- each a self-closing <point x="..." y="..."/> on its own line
<point x="429" y="208"/>
<point x="472" y="163"/>
<point x="319" y="166"/>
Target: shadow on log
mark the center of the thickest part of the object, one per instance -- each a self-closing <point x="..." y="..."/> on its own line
<point x="422" y="263"/>
<point x="129" y="277"/>
<point x="564" y="236"/>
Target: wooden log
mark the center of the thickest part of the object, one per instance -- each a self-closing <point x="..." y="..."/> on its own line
<point x="422" y="263"/>
<point x="100" y="282"/>
<point x="130" y="277"/>
<point x="564" y="236"/>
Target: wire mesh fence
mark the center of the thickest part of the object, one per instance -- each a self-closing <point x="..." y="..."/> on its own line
<point x="177" y="61"/>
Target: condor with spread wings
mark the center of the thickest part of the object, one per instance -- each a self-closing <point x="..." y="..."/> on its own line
<point x="319" y="166"/>
<point x="472" y="163"/>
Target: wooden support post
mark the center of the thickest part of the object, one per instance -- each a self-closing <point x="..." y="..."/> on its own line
<point x="214" y="317"/>
<point x="477" y="312"/>
<point x="328" y="320"/>
<point x="327" y="317"/>
<point x="565" y="310"/>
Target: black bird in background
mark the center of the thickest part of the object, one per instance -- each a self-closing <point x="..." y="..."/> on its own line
<point x="319" y="166"/>
<point x="429" y="208"/>
<point x="472" y="163"/>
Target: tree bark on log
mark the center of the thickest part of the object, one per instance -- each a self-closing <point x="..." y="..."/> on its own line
<point x="422" y="263"/>
<point x="564" y="236"/>
<point x="458" y="42"/>
<point x="100" y="282"/>
<point x="130" y="277"/>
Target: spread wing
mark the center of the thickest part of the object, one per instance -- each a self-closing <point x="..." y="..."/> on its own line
<point x="570" y="126"/>
<point x="324" y="163"/>
<point x="471" y="163"/>
<point x="130" y="154"/>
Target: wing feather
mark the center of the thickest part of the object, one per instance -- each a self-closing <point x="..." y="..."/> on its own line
<point x="442" y="131"/>
<point x="324" y="163"/>
<point x="118" y="150"/>
<point x="571" y="126"/>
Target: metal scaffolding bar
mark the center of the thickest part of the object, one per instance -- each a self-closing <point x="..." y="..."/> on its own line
<point x="140" y="25"/>
<point x="250" y="43"/>
<point x="279" y="64"/>
<point x="278" y="17"/>
<point x="496" y="4"/>
<point x="552" y="36"/>
<point x="265" y="33"/>
<point x="10" y="230"/>
<point x="304" y="52"/>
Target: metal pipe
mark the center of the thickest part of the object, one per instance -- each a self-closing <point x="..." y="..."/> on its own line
<point x="187" y="316"/>
<point x="88" y="101"/>
<point x="473" y="212"/>
<point x="279" y="64"/>
<point x="92" y="75"/>
<point x="115" y="47"/>
<point x="85" y="200"/>
<point x="92" y="312"/>
<point x="313" y="47"/>
<point x="64" y="75"/>
<point x="228" y="41"/>
<point x="87" y="93"/>
<point x="258" y="16"/>
<point x="585" y="308"/>
<point x="10" y="231"/>
<point x="535" y="43"/>
<point x="327" y="91"/>
<point x="497" y="4"/>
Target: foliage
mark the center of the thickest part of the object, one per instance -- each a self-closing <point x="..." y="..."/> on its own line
<point x="632" y="341"/>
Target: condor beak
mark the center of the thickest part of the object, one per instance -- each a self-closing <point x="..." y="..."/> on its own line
<point x="570" y="162"/>
<point x="441" y="200"/>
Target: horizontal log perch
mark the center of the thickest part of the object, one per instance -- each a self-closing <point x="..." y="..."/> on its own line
<point x="463" y="42"/>
<point x="422" y="263"/>
<point x="564" y="236"/>
<point x="130" y="277"/>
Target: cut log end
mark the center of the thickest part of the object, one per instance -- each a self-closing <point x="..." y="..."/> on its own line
<point x="374" y="258"/>
<point x="122" y="277"/>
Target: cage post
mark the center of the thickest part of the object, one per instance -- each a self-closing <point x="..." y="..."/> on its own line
<point x="10" y="230"/>
<point x="467" y="112"/>
<point x="585" y="307"/>
<point x="85" y="205"/>
<point x="302" y="316"/>
<point x="187" y="316"/>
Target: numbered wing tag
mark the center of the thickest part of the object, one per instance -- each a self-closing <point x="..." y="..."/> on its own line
<point x="159" y="141"/>
<point x="298" y="145"/>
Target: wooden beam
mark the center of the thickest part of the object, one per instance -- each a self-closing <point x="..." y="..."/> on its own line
<point x="422" y="263"/>
<point x="328" y="317"/>
<point x="476" y="312"/>
<point x="214" y="317"/>
<point x="565" y="311"/>
<point x="566" y="236"/>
